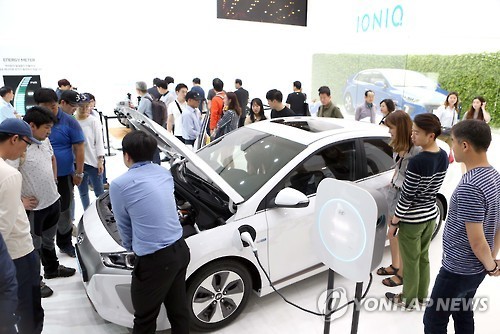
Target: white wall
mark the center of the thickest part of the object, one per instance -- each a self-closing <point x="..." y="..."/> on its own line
<point x="105" y="46"/>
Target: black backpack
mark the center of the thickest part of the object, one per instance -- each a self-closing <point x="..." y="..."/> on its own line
<point x="159" y="110"/>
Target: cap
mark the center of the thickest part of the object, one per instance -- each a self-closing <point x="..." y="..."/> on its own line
<point x="72" y="97"/>
<point x="193" y="95"/>
<point x="141" y="85"/>
<point x="87" y="97"/>
<point x="18" y="127"/>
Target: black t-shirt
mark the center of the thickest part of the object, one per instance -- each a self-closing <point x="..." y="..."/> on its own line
<point x="296" y="101"/>
<point x="285" y="112"/>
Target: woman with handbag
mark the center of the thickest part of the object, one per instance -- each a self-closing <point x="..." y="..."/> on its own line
<point x="230" y="117"/>
<point x="400" y="126"/>
<point x="448" y="116"/>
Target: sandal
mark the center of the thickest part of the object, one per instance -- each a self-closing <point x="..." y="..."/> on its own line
<point x="392" y="283"/>
<point x="383" y="272"/>
<point x="397" y="299"/>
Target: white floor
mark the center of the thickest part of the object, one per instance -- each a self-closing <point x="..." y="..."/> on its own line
<point x="69" y="310"/>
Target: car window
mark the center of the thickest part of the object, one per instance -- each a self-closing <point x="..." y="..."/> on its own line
<point x="335" y="161"/>
<point x="378" y="155"/>
<point x="246" y="159"/>
<point x="364" y="77"/>
<point x="376" y="76"/>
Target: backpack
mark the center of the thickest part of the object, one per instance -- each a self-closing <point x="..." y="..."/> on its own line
<point x="159" y="110"/>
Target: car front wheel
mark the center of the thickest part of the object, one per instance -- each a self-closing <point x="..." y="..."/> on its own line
<point x="217" y="294"/>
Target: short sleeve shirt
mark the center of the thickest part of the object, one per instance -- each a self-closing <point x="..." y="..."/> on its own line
<point x="38" y="176"/>
<point x="173" y="109"/>
<point x="475" y="200"/>
<point x="65" y="133"/>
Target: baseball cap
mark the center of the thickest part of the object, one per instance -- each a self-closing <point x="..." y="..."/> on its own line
<point x="18" y="127"/>
<point x="193" y="95"/>
<point x="72" y="97"/>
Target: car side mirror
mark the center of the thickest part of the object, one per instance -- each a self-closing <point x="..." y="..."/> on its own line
<point x="291" y="198"/>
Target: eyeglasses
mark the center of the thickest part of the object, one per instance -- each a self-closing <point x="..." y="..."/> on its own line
<point x="27" y="142"/>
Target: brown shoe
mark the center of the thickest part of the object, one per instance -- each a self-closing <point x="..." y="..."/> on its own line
<point x="390" y="281"/>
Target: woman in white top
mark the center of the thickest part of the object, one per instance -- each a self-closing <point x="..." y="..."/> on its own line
<point x="477" y="110"/>
<point x="94" y="154"/>
<point x="448" y="115"/>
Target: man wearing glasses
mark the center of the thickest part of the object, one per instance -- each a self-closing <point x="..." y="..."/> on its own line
<point x="15" y="136"/>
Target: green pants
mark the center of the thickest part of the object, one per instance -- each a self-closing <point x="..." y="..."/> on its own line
<point x="414" y="241"/>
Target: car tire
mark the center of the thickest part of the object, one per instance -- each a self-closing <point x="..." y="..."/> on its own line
<point x="348" y="103"/>
<point x="439" y="220"/>
<point x="217" y="294"/>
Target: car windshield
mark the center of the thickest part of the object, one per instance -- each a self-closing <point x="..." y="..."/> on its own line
<point x="402" y="78"/>
<point x="246" y="158"/>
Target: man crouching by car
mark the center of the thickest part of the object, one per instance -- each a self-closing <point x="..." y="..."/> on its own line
<point x="145" y="211"/>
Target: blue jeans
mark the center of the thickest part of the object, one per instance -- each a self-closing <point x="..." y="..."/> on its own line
<point x="90" y="175"/>
<point x="452" y="290"/>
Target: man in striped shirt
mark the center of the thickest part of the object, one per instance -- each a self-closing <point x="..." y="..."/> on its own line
<point x="471" y="237"/>
<point x="416" y="211"/>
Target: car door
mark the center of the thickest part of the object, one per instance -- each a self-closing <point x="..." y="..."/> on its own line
<point x="289" y="229"/>
<point x="377" y="163"/>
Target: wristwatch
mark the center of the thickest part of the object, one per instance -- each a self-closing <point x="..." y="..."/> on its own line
<point x="80" y="175"/>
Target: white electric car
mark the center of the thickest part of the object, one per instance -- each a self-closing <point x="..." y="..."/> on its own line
<point x="260" y="178"/>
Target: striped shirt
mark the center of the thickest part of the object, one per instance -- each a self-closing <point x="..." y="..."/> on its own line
<point x="475" y="200"/>
<point x="424" y="177"/>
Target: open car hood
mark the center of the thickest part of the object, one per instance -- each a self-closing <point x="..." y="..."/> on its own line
<point x="175" y="149"/>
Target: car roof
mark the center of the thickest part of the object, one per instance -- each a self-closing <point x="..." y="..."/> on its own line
<point x="387" y="70"/>
<point x="306" y="130"/>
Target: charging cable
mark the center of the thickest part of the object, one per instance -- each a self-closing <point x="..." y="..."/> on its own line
<point x="246" y="237"/>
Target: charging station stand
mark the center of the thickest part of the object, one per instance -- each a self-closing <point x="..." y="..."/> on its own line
<point x="349" y="235"/>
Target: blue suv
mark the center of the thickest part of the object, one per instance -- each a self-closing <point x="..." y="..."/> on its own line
<point x="411" y="91"/>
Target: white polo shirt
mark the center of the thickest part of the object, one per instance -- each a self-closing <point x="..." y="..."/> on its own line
<point x="38" y="176"/>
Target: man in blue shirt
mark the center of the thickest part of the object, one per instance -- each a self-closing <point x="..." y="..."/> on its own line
<point x="191" y="123"/>
<point x="67" y="140"/>
<point x="146" y="214"/>
<point x="471" y="236"/>
<point x="6" y="109"/>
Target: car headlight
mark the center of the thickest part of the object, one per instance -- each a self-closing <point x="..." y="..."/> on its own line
<point x="122" y="260"/>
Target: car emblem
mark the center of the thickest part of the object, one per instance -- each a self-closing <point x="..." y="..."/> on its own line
<point x="80" y="238"/>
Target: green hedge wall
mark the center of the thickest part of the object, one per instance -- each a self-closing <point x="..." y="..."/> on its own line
<point x="468" y="74"/>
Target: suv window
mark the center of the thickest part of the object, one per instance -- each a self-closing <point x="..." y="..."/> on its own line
<point x="378" y="155"/>
<point x="335" y="161"/>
